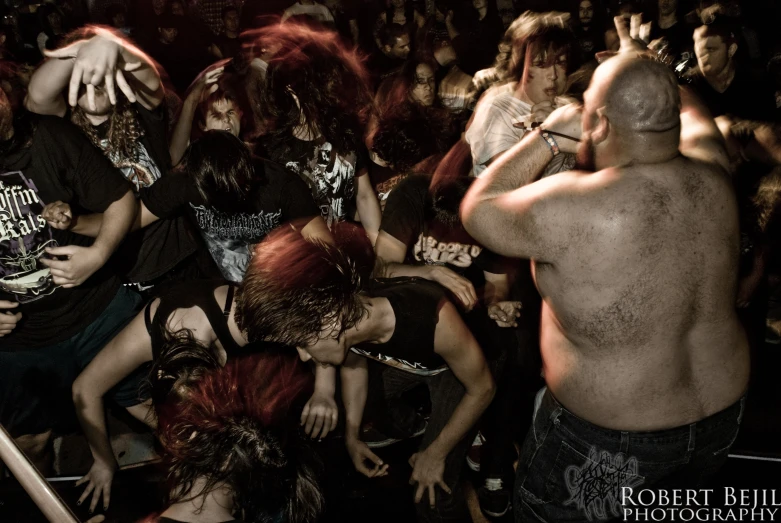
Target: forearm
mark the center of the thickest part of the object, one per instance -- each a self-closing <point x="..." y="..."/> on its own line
<point x="92" y="417"/>
<point x="497" y="288"/>
<point x="399" y="270"/>
<point x="116" y="223"/>
<point x="355" y="387"/>
<point x="180" y="138"/>
<point x="464" y="417"/>
<point x="521" y="165"/>
<point x="325" y="380"/>
<point x="369" y="210"/>
<point x="45" y="92"/>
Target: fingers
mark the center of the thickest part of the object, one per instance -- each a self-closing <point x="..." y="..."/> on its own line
<point x="444" y="486"/>
<point x="431" y="496"/>
<point x="87" y="491"/>
<point x="305" y="414"/>
<point x="106" y="496"/>
<point x="91" y="97"/>
<point x="634" y="26"/>
<point x="74" y="85"/>
<point x="95" y="497"/>
<point x="111" y="89"/>
<point x="621" y="28"/>
<point x="318" y="425"/>
<point x="65" y="250"/>
<point x="310" y="423"/>
<point x="419" y="493"/>
<point x="125" y="87"/>
<point x="645" y="32"/>
<point x="6" y="304"/>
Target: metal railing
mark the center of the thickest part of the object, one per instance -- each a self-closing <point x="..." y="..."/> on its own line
<point x="36" y="486"/>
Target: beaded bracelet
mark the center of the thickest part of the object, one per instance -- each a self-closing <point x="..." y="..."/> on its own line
<point x="551" y="141"/>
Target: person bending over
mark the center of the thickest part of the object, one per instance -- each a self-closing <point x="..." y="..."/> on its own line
<point x="207" y="309"/>
<point x="641" y="344"/>
<point x="318" y="298"/>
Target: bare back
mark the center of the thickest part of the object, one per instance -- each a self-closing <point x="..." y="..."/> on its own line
<point x="639" y="329"/>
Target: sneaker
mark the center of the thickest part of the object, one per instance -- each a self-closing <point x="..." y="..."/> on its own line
<point x="473" y="455"/>
<point x="494" y="498"/>
<point x="375" y="439"/>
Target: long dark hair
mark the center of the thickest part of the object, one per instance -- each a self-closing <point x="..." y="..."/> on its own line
<point x="235" y="427"/>
<point x="222" y="168"/>
<point x="313" y="77"/>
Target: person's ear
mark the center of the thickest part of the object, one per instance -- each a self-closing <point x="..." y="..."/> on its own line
<point x="733" y="48"/>
<point x="386" y="49"/>
<point x="601" y="130"/>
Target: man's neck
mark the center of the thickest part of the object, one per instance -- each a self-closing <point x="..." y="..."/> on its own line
<point x="483" y="12"/>
<point x="377" y="326"/>
<point x="520" y="94"/>
<point x="214" y="507"/>
<point x="667" y="21"/>
<point x="721" y="81"/>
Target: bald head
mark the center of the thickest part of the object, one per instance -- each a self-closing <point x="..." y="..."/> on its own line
<point x="638" y="95"/>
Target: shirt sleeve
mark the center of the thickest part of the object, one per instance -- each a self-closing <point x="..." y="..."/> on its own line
<point x="491" y="134"/>
<point x="95" y="182"/>
<point x="403" y="216"/>
<point x="170" y="195"/>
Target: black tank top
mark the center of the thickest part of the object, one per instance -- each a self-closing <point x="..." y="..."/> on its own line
<point x="193" y="294"/>
<point x="416" y="303"/>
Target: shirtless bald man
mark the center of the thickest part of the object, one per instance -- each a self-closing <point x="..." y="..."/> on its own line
<point x="636" y="259"/>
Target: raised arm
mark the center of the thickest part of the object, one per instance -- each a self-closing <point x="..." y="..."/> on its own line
<point x="505" y="198"/>
<point x="121" y="356"/>
<point x="104" y="60"/>
<point x="180" y="138"/>
<point x="455" y="343"/>
<point x="700" y="136"/>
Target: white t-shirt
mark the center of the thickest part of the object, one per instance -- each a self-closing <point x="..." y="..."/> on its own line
<point x="492" y="131"/>
<point x="317" y="11"/>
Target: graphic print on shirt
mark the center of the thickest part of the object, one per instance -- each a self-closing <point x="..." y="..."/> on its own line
<point x="141" y="170"/>
<point x="230" y="237"/>
<point x="433" y="252"/>
<point x="331" y="178"/>
<point x="24" y="235"/>
<point x="412" y="367"/>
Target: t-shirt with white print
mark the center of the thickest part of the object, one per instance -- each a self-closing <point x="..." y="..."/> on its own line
<point x="57" y="163"/>
<point x="329" y="174"/>
<point x="496" y="127"/>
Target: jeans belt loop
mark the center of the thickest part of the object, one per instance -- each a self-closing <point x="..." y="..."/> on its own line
<point x="692" y="437"/>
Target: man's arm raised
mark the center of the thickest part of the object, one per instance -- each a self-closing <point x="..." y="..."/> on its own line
<point x="508" y="213"/>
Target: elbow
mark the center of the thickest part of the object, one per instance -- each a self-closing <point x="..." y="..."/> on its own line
<point x="78" y="393"/>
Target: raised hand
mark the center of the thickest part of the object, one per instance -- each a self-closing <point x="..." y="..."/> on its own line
<point x="461" y="287"/>
<point x="98" y="62"/>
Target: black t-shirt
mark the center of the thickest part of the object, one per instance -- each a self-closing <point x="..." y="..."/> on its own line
<point x="162" y="519"/>
<point x="748" y="97"/>
<point x="428" y="240"/>
<point x="679" y="38"/>
<point x="329" y="174"/>
<point x="152" y="251"/>
<point x="229" y="47"/>
<point x="58" y="164"/>
<point x="588" y="43"/>
<point x="416" y="303"/>
<point x="279" y="197"/>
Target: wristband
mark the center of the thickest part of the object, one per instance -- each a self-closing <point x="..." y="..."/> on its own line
<point x="554" y="147"/>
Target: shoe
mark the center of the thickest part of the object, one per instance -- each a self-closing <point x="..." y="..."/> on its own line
<point x="494" y="498"/>
<point x="375" y="439"/>
<point x="473" y="455"/>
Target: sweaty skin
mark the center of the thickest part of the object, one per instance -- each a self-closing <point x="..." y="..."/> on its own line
<point x="636" y="263"/>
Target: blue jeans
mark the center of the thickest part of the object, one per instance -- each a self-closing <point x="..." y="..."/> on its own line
<point x="573" y="470"/>
<point x="35" y="385"/>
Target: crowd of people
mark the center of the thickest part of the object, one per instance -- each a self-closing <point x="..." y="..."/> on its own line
<point x="232" y="218"/>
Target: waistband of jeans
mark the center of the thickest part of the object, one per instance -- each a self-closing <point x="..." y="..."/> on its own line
<point x="732" y="412"/>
